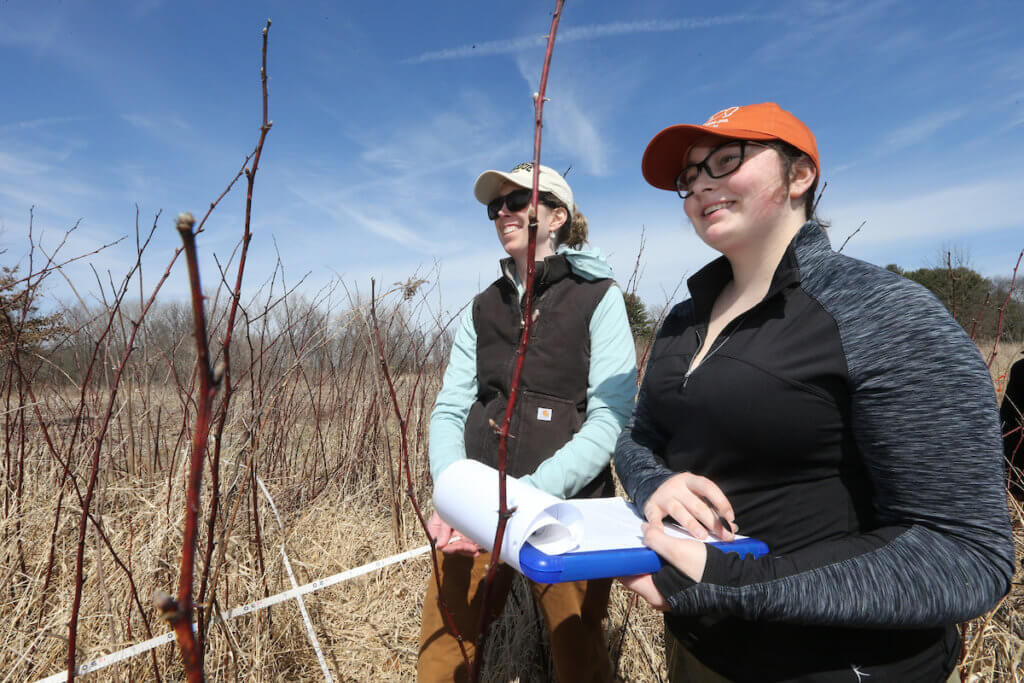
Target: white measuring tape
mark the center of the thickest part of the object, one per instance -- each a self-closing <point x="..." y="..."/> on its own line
<point x="295" y="584"/>
<point x="255" y="606"/>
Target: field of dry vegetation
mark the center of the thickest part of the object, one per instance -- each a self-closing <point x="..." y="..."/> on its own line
<point x="99" y="421"/>
<point x="310" y="417"/>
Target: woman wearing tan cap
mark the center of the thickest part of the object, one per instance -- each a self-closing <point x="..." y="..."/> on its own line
<point x="576" y="392"/>
<point x="827" y="407"/>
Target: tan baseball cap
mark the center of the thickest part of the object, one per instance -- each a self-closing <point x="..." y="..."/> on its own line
<point x="488" y="185"/>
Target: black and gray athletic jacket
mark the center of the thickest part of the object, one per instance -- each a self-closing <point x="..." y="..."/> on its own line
<point x="853" y="426"/>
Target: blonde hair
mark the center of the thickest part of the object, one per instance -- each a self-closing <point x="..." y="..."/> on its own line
<point x="573" y="233"/>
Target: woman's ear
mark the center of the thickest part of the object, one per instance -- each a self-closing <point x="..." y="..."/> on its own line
<point x="802" y="177"/>
<point x="558" y="217"/>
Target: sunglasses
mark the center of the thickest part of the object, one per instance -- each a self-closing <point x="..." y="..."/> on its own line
<point x="517" y="200"/>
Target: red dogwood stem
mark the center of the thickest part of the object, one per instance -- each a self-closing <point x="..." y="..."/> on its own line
<point x="1002" y="310"/>
<point x="503" y="512"/>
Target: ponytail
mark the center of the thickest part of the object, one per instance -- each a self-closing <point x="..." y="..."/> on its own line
<point x="573" y="234"/>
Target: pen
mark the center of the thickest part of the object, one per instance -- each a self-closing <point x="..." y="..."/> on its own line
<point x="719" y="517"/>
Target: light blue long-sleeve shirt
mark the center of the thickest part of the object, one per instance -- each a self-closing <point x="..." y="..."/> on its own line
<point x="611" y="391"/>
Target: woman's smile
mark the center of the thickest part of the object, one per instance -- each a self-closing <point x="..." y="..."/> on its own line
<point x="715" y="207"/>
<point x="510" y="227"/>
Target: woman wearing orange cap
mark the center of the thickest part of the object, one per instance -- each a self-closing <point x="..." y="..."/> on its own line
<point x="823" y="405"/>
<point x="575" y="394"/>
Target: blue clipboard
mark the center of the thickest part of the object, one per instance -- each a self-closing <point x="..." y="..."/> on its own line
<point x="601" y="564"/>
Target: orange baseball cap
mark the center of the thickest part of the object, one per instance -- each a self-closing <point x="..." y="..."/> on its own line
<point x="666" y="152"/>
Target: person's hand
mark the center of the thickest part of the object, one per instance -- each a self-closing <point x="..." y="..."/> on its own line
<point x="689" y="557"/>
<point x="695" y="503"/>
<point x="450" y="541"/>
<point x="643" y="585"/>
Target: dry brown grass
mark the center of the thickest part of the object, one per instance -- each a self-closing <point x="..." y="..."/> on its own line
<point x="996" y="641"/>
<point x="367" y="627"/>
<point x="313" y="415"/>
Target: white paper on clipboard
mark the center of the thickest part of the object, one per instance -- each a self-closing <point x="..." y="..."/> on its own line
<point x="466" y="498"/>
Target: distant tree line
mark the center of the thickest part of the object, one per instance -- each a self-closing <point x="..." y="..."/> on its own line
<point x="973" y="299"/>
<point x="301" y="328"/>
<point x="290" y="334"/>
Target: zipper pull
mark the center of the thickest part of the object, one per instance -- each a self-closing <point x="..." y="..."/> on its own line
<point x="689" y="370"/>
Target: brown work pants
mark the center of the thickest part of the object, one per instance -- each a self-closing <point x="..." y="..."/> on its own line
<point x="573" y="612"/>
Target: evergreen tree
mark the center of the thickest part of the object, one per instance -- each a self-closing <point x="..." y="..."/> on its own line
<point x="640" y="322"/>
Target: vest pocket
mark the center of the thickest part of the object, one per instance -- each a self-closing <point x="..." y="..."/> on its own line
<point x="540" y="426"/>
<point x="545" y="424"/>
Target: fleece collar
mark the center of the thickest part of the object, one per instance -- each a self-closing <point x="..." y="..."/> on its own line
<point x="706" y="284"/>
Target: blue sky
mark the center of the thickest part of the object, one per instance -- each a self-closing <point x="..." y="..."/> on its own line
<point x="384" y="114"/>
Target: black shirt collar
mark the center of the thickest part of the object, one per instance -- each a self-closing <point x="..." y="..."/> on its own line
<point x="706" y="284"/>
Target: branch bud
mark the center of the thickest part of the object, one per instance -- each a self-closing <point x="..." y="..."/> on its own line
<point x="185" y="222"/>
<point x="218" y="372"/>
<point x="166" y="605"/>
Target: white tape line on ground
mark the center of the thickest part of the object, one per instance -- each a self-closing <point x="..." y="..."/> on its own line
<point x="295" y="584"/>
<point x="255" y="606"/>
<point x="305" y="617"/>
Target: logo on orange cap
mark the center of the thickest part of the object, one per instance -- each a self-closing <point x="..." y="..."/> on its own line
<point x="721" y="117"/>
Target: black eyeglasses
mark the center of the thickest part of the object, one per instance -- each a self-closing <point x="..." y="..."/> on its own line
<point x="517" y="200"/>
<point x="720" y="162"/>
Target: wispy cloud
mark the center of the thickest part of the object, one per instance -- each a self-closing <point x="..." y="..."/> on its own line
<point x="921" y="129"/>
<point x="156" y="124"/>
<point x="37" y="32"/>
<point x="353" y="220"/>
<point x="1013" y="123"/>
<point x="141" y="8"/>
<point x="12" y="165"/>
<point x="39" y="123"/>
<point x="32" y="179"/>
<point x="911" y="133"/>
<point x="445" y="138"/>
<point x="574" y="127"/>
<point x="821" y="28"/>
<point x="579" y="33"/>
<point x="577" y="131"/>
<point x="970" y="208"/>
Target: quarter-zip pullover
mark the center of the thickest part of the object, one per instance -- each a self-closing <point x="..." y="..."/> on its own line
<point x="852" y="424"/>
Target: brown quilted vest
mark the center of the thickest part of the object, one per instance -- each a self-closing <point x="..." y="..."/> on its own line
<point x="552" y="401"/>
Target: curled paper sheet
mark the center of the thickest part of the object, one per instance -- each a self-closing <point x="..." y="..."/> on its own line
<point x="466" y="498"/>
